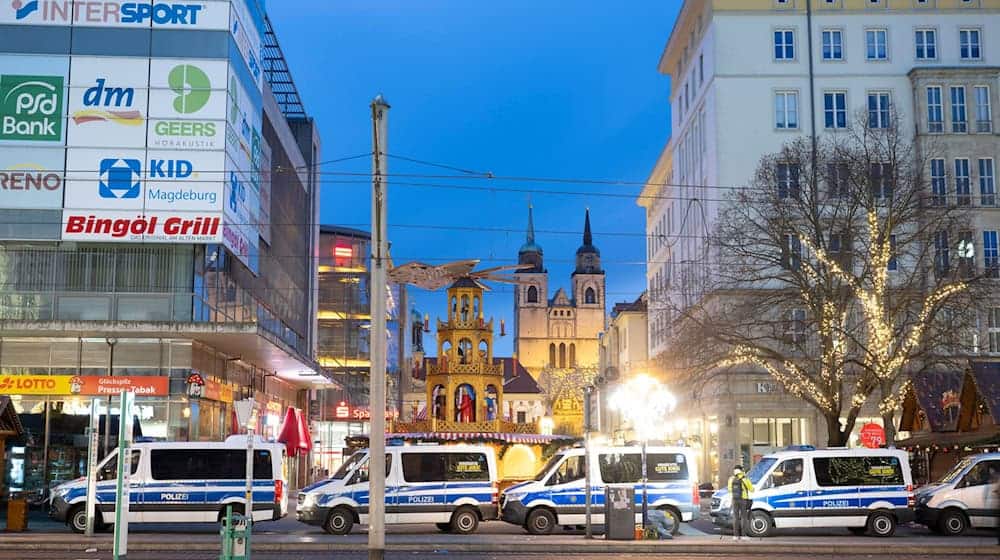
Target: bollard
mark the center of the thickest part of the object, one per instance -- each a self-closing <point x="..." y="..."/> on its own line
<point x="17" y="513"/>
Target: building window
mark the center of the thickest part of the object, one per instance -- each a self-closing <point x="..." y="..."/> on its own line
<point x="786" y="110"/>
<point x="839" y="179"/>
<point x="795" y="326"/>
<point x="941" y="257"/>
<point x="791" y="257"/>
<point x="878" y="109"/>
<point x="833" y="44"/>
<point x="552" y="355"/>
<point x="963" y="188"/>
<point x="880" y="180"/>
<point x="522" y="417"/>
<point x="966" y="254"/>
<point x="876" y="44"/>
<point x="970" y="44"/>
<point x="987" y="182"/>
<point x="991" y="258"/>
<point x="788" y="180"/>
<point x="893" y="264"/>
<point x="835" y="109"/>
<point x="926" y="41"/>
<point x="993" y="325"/>
<point x="562" y="355"/>
<point x="590" y="296"/>
<point x="984" y="114"/>
<point x="784" y="44"/>
<point x="959" y="119"/>
<point x="572" y="355"/>
<point x="532" y="294"/>
<point x="935" y="110"/>
<point x="939" y="184"/>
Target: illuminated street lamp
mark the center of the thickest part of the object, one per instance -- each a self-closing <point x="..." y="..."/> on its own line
<point x="645" y="402"/>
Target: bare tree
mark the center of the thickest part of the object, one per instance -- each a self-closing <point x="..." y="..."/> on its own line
<point x="833" y="271"/>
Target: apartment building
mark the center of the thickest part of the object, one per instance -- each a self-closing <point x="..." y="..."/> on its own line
<point x="750" y="75"/>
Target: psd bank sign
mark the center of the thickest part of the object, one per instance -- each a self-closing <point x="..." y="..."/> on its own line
<point x="185" y="15"/>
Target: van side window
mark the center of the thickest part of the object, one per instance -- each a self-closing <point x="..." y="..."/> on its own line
<point x="208" y="464"/>
<point x="985" y="472"/>
<point x="361" y="475"/>
<point x="788" y="472"/>
<point x="858" y="471"/>
<point x="620" y="468"/>
<point x="570" y="470"/>
<point x="110" y="469"/>
<point x="467" y="466"/>
<point x="423" y="467"/>
<point x="666" y="467"/>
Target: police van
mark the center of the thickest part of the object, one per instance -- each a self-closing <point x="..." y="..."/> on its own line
<point x="965" y="497"/>
<point x="557" y="494"/>
<point x="863" y="490"/>
<point x="453" y="486"/>
<point x="181" y="482"/>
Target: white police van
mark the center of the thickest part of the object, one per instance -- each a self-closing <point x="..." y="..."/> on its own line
<point x="863" y="490"/>
<point x="453" y="486"/>
<point x="965" y="497"/>
<point x="181" y="482"/>
<point x="557" y="494"/>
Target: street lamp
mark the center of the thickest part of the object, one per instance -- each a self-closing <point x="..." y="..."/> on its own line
<point x="645" y="402"/>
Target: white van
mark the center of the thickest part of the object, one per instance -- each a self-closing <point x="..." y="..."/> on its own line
<point x="181" y="482"/>
<point x="453" y="486"/>
<point x="863" y="490"/>
<point x="965" y="497"/>
<point x="557" y="494"/>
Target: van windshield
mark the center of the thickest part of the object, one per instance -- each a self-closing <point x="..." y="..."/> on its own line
<point x="760" y="469"/>
<point x="349" y="465"/>
<point x="548" y="467"/>
<point x="956" y="471"/>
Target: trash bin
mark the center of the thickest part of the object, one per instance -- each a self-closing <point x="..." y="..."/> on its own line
<point x="619" y="512"/>
<point x="17" y="512"/>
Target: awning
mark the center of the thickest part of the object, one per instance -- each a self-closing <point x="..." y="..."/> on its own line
<point x="480" y="436"/>
<point x="987" y="378"/>
<point x="939" y="396"/>
<point x="421" y="414"/>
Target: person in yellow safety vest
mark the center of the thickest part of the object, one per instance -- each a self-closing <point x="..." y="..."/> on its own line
<point x="741" y="490"/>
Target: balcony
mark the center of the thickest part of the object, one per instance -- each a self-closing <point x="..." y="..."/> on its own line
<point x="449" y="367"/>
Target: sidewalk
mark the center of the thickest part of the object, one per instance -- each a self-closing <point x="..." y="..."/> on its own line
<point x="497" y="543"/>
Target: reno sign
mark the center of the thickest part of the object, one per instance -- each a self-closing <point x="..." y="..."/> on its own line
<point x="184" y="15"/>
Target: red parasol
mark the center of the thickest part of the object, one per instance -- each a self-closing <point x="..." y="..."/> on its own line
<point x="294" y="433"/>
<point x="305" y="438"/>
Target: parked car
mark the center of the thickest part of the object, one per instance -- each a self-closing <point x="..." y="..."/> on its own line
<point x="863" y="490"/>
<point x="966" y="497"/>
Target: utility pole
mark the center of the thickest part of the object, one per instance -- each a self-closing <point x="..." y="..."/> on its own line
<point x="379" y="262"/>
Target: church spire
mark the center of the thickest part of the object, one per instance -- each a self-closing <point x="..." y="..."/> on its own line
<point x="588" y="239"/>
<point x="531" y="253"/>
<point x="531" y="226"/>
<point x="588" y="258"/>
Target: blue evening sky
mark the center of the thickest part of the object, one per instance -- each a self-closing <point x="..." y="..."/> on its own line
<point x="526" y="88"/>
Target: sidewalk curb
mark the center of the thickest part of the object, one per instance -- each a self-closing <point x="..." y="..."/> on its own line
<point x="598" y="547"/>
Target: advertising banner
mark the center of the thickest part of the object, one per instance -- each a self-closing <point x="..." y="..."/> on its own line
<point x="83" y="385"/>
<point x="243" y="162"/>
<point x="108" y="102"/>
<point x="159" y="227"/>
<point x="90" y="13"/>
<point x="105" y="179"/>
<point x="240" y="234"/>
<point x="264" y="216"/>
<point x="31" y="177"/>
<point x="190" y="181"/>
<point x="187" y="104"/>
<point x="247" y="39"/>
<point x="33" y="99"/>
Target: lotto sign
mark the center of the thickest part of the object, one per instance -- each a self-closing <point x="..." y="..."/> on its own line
<point x="84" y="385"/>
<point x="187" y="104"/>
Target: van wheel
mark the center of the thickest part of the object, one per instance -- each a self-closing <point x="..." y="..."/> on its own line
<point x="952" y="523"/>
<point x="759" y="525"/>
<point x="77" y="519"/>
<point x="881" y="524"/>
<point x="339" y="522"/>
<point x="443" y="527"/>
<point x="675" y="518"/>
<point x="540" y="522"/>
<point x="465" y="520"/>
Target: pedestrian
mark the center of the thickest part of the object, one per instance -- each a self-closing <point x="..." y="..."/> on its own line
<point x="662" y="523"/>
<point x="740" y="488"/>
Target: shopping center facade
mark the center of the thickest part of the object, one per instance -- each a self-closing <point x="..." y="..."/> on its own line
<point x="158" y="217"/>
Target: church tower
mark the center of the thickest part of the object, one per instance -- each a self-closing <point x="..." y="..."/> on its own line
<point x="588" y="278"/>
<point x="530" y="296"/>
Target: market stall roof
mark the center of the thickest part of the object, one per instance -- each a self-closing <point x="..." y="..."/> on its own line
<point x="938" y="394"/>
<point x="10" y="424"/>
<point x="986" y="376"/>
<point x="989" y="436"/>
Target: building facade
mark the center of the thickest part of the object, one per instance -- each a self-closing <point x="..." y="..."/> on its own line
<point x="748" y="77"/>
<point x="624" y="353"/>
<point x="154" y="225"/>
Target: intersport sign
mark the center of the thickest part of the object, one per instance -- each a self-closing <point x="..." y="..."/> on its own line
<point x="180" y="14"/>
